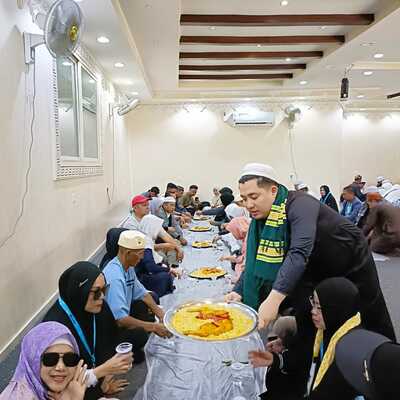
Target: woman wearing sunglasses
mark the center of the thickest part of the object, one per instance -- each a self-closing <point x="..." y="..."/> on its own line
<point x="49" y="366"/>
<point x="82" y="308"/>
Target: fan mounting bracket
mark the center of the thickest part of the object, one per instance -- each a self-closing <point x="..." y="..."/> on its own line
<point x="31" y="41"/>
<point x="20" y="4"/>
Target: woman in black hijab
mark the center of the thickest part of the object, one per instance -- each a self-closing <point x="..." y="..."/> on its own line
<point x="81" y="307"/>
<point x="335" y="313"/>
<point x="111" y="246"/>
<point x="327" y="198"/>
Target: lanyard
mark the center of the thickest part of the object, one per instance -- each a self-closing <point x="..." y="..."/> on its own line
<point x="79" y="331"/>
<point x="321" y="351"/>
<point x="326" y="198"/>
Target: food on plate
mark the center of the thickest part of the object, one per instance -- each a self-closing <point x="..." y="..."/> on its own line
<point x="202" y="245"/>
<point x="212" y="322"/>
<point x="208" y="272"/>
<point x="200" y="228"/>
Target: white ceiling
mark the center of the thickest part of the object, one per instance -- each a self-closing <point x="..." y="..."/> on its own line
<point x="145" y="36"/>
<point x="101" y="19"/>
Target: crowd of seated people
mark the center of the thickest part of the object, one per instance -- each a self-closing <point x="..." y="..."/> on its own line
<point x="375" y="209"/>
<point x="71" y="354"/>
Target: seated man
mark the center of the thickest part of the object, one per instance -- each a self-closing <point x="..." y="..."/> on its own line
<point x="132" y="305"/>
<point x="188" y="199"/>
<point x="382" y="227"/>
<point x="140" y="208"/>
<point x="171" y="190"/>
<point x="170" y="224"/>
<point x="183" y="216"/>
<point x="303" y="187"/>
<point x="364" y="209"/>
<point x="351" y="204"/>
<point x="153" y="192"/>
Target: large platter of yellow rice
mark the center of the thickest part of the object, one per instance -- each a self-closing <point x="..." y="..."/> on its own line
<point x="208" y="273"/>
<point x="200" y="228"/>
<point x="229" y="321"/>
<point x="202" y="245"/>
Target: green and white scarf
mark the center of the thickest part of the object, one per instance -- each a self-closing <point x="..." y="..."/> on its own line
<point x="267" y="243"/>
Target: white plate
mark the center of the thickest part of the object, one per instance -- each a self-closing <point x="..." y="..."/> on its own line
<point x="242" y="307"/>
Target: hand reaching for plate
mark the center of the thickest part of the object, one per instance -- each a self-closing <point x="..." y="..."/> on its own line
<point x="261" y="358"/>
<point x="232" y="296"/>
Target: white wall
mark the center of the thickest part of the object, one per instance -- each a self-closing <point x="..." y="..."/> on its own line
<point x="171" y="144"/>
<point x="64" y="221"/>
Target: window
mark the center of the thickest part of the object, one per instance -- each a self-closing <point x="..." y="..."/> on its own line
<point x="77" y="95"/>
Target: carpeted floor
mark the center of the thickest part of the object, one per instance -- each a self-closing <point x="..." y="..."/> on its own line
<point x="389" y="274"/>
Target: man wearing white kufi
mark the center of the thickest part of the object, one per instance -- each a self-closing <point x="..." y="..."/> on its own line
<point x="294" y="243"/>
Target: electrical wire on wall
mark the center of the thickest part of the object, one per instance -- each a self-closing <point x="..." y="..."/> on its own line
<point x="28" y="170"/>
<point x="291" y="146"/>
<point x="111" y="196"/>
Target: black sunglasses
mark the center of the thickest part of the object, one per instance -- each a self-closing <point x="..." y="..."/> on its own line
<point x="100" y="291"/>
<point x="52" y="359"/>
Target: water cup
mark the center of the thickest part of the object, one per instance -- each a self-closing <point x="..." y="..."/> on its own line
<point x="124" y="348"/>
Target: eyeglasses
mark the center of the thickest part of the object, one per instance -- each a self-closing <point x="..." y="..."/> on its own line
<point x="52" y="359"/>
<point x="100" y="291"/>
<point x="313" y="305"/>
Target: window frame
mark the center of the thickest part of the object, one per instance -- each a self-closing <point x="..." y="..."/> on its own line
<point x="70" y="166"/>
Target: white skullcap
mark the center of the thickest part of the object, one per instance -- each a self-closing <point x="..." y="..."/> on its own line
<point x="258" y="169"/>
<point x="380" y="179"/>
<point x="132" y="240"/>
<point x="302" y="185"/>
<point x="169" y="199"/>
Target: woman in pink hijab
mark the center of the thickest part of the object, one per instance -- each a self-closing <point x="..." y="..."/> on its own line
<point x="238" y="227"/>
<point x="49" y="366"/>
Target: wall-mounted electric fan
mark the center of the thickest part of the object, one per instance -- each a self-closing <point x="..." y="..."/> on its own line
<point x="292" y="114"/>
<point x="62" y="25"/>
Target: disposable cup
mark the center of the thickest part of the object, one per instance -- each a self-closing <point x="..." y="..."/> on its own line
<point x="123" y="348"/>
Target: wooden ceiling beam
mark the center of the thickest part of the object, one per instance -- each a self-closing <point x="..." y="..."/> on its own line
<point x="236" y="76"/>
<point x="243" y="67"/>
<point x="277" y="20"/>
<point x="251" y="54"/>
<point x="263" y="40"/>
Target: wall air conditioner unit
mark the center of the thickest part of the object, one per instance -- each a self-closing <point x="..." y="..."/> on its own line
<point x="253" y="118"/>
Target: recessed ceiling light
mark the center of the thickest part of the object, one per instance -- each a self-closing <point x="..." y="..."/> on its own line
<point x="323" y="27"/>
<point x="367" y="44"/>
<point x="284" y="3"/>
<point x="360" y="96"/>
<point x="259" y="45"/>
<point x="288" y="59"/>
<point x="119" y="65"/>
<point x="367" y="73"/>
<point x="103" y="39"/>
<point x="212" y="28"/>
<point x="134" y="93"/>
<point x="303" y="82"/>
<point x="67" y="64"/>
<point x="378" y="55"/>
